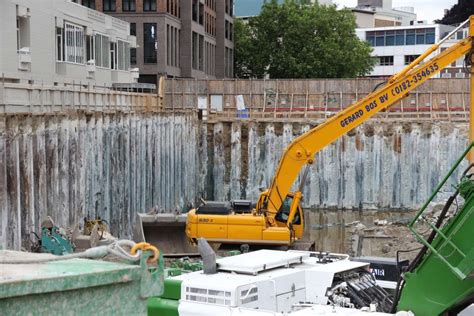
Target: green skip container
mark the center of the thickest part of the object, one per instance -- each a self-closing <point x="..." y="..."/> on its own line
<point x="76" y="286"/>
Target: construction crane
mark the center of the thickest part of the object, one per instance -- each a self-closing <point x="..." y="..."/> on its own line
<point x="277" y="218"/>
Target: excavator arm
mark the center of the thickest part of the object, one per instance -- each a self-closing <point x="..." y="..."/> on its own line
<point x="302" y="150"/>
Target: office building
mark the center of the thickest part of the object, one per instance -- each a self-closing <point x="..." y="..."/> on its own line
<point x="177" y="38"/>
<point x="57" y="41"/>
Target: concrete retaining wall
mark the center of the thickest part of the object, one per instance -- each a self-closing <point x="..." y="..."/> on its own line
<point x="111" y="165"/>
<point x="391" y="166"/>
<point x="83" y="152"/>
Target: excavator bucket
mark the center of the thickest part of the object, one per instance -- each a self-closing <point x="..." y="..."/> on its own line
<point x="166" y="231"/>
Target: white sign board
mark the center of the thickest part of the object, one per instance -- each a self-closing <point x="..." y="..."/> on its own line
<point x="202" y="102"/>
<point x="216" y="102"/>
<point x="239" y="100"/>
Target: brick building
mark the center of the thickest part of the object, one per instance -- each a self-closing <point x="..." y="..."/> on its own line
<point x="177" y="38"/>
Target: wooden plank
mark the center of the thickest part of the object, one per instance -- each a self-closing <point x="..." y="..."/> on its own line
<point x="115" y="220"/>
<point x="73" y="124"/>
<point x="142" y="165"/>
<point x="99" y="180"/>
<point x="90" y="190"/>
<point x="106" y="177"/>
<point x="162" y="136"/>
<point x="81" y="161"/>
<point x="40" y="172"/>
<point x="133" y="162"/>
<point x="13" y="230"/>
<point x="3" y="184"/>
<point x="149" y="161"/>
<point x="122" y="174"/>
<point x="236" y="163"/>
<point x="63" y="172"/>
<point x="52" y="173"/>
<point x="126" y="176"/>
<point x="26" y="182"/>
<point x="156" y="161"/>
<point x="179" y="160"/>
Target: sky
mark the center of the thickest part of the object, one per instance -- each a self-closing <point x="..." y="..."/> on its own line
<point x="428" y="10"/>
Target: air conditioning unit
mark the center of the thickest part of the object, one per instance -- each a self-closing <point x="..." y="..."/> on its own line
<point x="446" y="75"/>
<point x="132" y="40"/>
<point x="24" y="58"/>
<point x="90" y="66"/>
<point x="24" y="55"/>
<point x="135" y="74"/>
<point x="460" y="75"/>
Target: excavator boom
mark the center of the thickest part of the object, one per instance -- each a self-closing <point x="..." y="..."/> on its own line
<point x="277" y="218"/>
<point x="302" y="150"/>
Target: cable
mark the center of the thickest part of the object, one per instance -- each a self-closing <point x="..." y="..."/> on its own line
<point x="378" y="85"/>
<point x="116" y="249"/>
<point x="467" y="63"/>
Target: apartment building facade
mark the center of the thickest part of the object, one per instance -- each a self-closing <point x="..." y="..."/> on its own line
<point x="177" y="38"/>
<point x="60" y="42"/>
<point x="397" y="46"/>
<point x="380" y="13"/>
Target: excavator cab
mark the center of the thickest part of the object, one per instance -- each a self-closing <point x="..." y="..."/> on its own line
<point x="282" y="218"/>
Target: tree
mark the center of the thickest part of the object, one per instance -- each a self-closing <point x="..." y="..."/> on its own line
<point x="299" y="39"/>
<point x="458" y="13"/>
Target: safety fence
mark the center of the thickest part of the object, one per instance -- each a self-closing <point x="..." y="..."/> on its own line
<point x="437" y="99"/>
<point x="38" y="98"/>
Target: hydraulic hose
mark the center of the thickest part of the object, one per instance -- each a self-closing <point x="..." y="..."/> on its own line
<point x="116" y="249"/>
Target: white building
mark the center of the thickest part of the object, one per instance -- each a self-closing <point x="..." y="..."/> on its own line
<point x="397" y="46"/>
<point x="58" y="41"/>
<point x="379" y="13"/>
<point x="456" y="69"/>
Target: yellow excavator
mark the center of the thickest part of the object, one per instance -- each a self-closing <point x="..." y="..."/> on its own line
<point x="277" y="218"/>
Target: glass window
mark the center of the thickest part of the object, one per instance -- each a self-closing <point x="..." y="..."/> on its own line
<point x="90" y="51"/>
<point x="89" y="3"/>
<point x="195" y="50"/>
<point x="390" y="38"/>
<point x="371" y="40"/>
<point x="386" y="60"/>
<point x="101" y="50"/>
<point x="59" y="44"/>
<point x="201" y="14"/>
<point x="133" y="56"/>
<point x="149" y="40"/>
<point x="149" y="5"/>
<point x="284" y="212"/>
<point x="410" y="58"/>
<point x="109" y="5"/>
<point x="201" y="52"/>
<point x="430" y="37"/>
<point x="195" y="10"/>
<point x="123" y="55"/>
<point x="133" y="51"/>
<point x="420" y="39"/>
<point x="379" y="41"/>
<point x="400" y="38"/>
<point x="74" y="47"/>
<point x="168" y="45"/>
<point x="128" y="5"/>
<point x="410" y="38"/>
